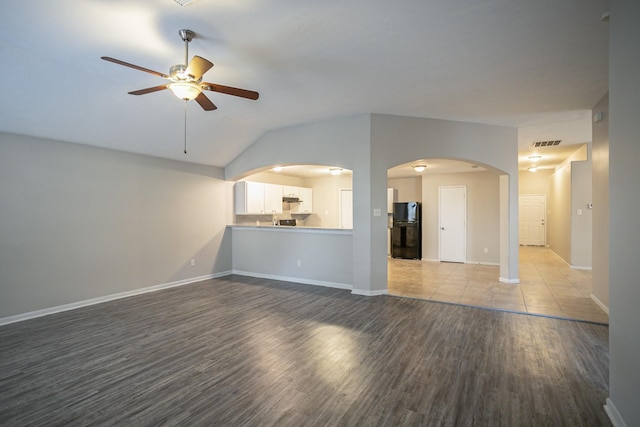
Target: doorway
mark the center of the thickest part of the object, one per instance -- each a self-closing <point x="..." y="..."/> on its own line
<point x="452" y="223"/>
<point x="533" y="211"/>
<point x="346" y="208"/>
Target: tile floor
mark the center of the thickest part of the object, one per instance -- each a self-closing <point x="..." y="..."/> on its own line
<point x="548" y="286"/>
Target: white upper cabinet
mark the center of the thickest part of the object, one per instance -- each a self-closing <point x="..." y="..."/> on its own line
<point x="306" y="202"/>
<point x="257" y="198"/>
<point x="290" y="191"/>
<point x="249" y="198"/>
<point x="272" y="199"/>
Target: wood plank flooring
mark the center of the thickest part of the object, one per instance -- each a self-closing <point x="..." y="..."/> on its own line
<point x="240" y="351"/>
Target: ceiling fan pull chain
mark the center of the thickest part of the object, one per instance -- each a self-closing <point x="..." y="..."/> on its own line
<point x="185" y="126"/>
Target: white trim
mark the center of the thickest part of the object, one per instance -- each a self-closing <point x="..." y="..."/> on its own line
<point x="503" y="280"/>
<point x="614" y="415"/>
<point x="494" y="264"/>
<point x="580" y="267"/>
<point x="600" y="304"/>
<point x="99" y="300"/>
<point x="370" y="293"/>
<point x="293" y="279"/>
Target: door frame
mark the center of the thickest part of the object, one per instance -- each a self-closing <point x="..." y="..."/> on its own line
<point x="464" y="225"/>
<point x="340" y="207"/>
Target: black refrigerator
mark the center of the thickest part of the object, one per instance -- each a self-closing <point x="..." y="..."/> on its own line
<point x="406" y="233"/>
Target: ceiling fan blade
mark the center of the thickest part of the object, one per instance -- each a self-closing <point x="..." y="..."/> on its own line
<point x="243" y="93"/>
<point x="197" y="67"/>
<point x="205" y="102"/>
<point x="149" y="90"/>
<point x="136" y="67"/>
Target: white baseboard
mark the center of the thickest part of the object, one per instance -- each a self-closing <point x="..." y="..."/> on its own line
<point x="98" y="300"/>
<point x="580" y="267"/>
<point x="294" y="279"/>
<point x="513" y="281"/>
<point x="493" y="264"/>
<point x="614" y="415"/>
<point x="600" y="304"/>
<point x="369" y="293"/>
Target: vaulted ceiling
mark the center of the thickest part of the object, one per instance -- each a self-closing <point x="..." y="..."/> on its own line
<point x="536" y="65"/>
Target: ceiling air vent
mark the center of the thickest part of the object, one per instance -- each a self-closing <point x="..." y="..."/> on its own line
<point x="541" y="144"/>
<point x="184" y="2"/>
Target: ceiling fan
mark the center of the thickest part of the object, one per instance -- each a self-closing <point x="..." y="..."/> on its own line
<point x="186" y="80"/>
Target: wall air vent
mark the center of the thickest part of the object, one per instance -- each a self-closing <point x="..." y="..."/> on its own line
<point x="542" y="144"/>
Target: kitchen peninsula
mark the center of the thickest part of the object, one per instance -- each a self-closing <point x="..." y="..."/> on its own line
<point x="298" y="252"/>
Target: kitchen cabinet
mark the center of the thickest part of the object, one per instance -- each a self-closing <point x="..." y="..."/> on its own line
<point x="290" y="191"/>
<point x="305" y="206"/>
<point x="272" y="199"/>
<point x="249" y="198"/>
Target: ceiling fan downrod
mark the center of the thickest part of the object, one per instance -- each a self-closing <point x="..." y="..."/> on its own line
<point x="185" y="126"/>
<point x="186" y="36"/>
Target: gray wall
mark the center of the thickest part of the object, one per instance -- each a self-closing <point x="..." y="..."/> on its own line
<point x="600" y="186"/>
<point x="581" y="225"/>
<point x="325" y="257"/>
<point x="371" y="144"/>
<point x="79" y="223"/>
<point x="569" y="234"/>
<point x="342" y="142"/>
<point x="396" y="140"/>
<point x="624" y="197"/>
<point x="559" y="212"/>
<point x="483" y="214"/>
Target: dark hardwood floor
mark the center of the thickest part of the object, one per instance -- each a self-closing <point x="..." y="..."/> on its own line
<point x="239" y="351"/>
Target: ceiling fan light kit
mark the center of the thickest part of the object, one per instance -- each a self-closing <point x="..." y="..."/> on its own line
<point x="186" y="79"/>
<point x="185" y="90"/>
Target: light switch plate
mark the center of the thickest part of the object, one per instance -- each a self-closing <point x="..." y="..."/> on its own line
<point x="377" y="212"/>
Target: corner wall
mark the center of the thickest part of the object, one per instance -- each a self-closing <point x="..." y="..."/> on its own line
<point x="624" y="198"/>
<point x="79" y="223"/>
<point x="600" y="189"/>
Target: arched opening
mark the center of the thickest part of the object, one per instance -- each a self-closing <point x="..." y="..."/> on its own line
<point x="436" y="275"/>
<point x="304" y="195"/>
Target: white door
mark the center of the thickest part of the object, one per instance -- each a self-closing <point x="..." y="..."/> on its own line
<point x="346" y="208"/>
<point x="452" y="230"/>
<point x="533" y="210"/>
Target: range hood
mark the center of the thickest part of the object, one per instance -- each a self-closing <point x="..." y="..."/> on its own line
<point x="291" y="200"/>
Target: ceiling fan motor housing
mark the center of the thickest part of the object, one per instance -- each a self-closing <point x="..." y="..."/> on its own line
<point x="177" y="71"/>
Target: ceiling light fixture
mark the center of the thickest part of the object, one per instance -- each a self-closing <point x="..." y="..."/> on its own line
<point x="277" y="169"/>
<point x="419" y="168"/>
<point x="185" y="90"/>
<point x="335" y="171"/>
<point x="533" y="169"/>
<point x="535" y="157"/>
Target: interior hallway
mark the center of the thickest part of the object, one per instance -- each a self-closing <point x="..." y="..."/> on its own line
<point x="548" y="286"/>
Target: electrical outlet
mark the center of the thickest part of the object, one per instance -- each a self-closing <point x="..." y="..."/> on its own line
<point x="299" y="263"/>
<point x="486" y="250"/>
<point x="193" y="262"/>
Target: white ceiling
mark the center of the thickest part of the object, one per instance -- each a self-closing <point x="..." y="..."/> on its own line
<point x="537" y="65"/>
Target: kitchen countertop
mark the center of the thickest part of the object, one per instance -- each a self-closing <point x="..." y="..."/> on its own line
<point x="295" y="229"/>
